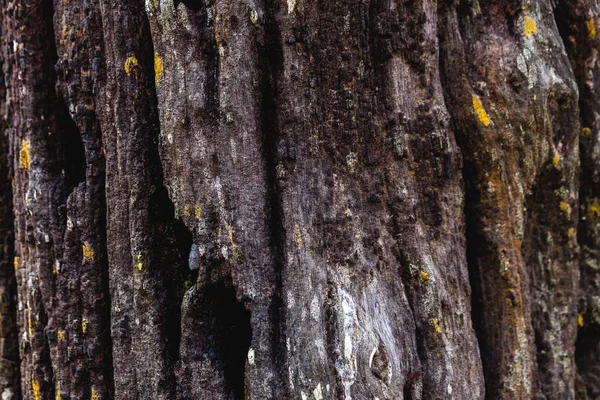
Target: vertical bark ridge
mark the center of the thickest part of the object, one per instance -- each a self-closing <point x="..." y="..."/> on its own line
<point x="578" y="22"/>
<point x="210" y="87"/>
<point x="516" y="120"/>
<point x="10" y="381"/>
<point x="146" y="244"/>
<point x="79" y="322"/>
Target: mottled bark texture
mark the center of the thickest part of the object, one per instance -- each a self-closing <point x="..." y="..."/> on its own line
<point x="268" y="199"/>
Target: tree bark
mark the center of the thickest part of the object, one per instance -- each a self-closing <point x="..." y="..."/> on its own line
<point x="300" y="200"/>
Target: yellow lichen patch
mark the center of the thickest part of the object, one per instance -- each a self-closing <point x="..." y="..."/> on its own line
<point x="580" y="322"/>
<point x="234" y="246"/>
<point x="60" y="335"/>
<point x="187" y="210"/>
<point x="436" y="325"/>
<point x="529" y="27"/>
<point x="140" y="264"/>
<point x="88" y="252"/>
<point x="480" y="111"/>
<point x="197" y="211"/>
<point x="24" y="155"/>
<point x="84" y="323"/>
<point x="58" y="395"/>
<point x="158" y="68"/>
<point x="155" y="3"/>
<point x="253" y="16"/>
<point x="572" y="232"/>
<point x="298" y="237"/>
<point x="564" y="206"/>
<point x="16" y="262"/>
<point x="35" y="389"/>
<point x="591" y="28"/>
<point x="556" y="160"/>
<point x="130" y="64"/>
<point x="594" y="210"/>
<point x="94" y="394"/>
<point x="586" y="131"/>
<point x="424" y="277"/>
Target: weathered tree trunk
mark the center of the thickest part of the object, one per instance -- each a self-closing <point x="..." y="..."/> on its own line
<point x="300" y="200"/>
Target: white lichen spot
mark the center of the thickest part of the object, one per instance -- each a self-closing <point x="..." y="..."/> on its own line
<point x="352" y="160"/>
<point x="318" y="393"/>
<point x="449" y="389"/>
<point x="251" y="356"/>
<point x="193" y="261"/>
<point x="291" y="300"/>
<point x="291" y="5"/>
<point x="303" y="395"/>
<point x="347" y="366"/>
<point x="7" y="394"/>
<point x="170" y="138"/>
<point x="253" y="16"/>
<point x="315" y="310"/>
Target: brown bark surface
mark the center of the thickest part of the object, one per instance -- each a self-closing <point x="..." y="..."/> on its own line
<point x="219" y="199"/>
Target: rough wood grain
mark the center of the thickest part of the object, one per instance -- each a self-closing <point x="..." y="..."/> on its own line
<point x="218" y="199"/>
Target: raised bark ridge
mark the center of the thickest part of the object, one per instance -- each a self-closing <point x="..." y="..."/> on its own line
<point x="269" y="199"/>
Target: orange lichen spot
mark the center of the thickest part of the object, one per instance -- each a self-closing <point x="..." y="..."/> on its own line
<point x="564" y="206"/>
<point x="197" y="211"/>
<point x="580" y="321"/>
<point x="529" y="26"/>
<point x="60" y="335"/>
<point x="298" y="236"/>
<point x="436" y="325"/>
<point x="591" y="28"/>
<point x="24" y="155"/>
<point x="187" y="210"/>
<point x="88" y="252"/>
<point x="16" y="262"/>
<point x="35" y="389"/>
<point x="480" y="111"/>
<point x="594" y="210"/>
<point x="130" y="64"/>
<point x="140" y="264"/>
<point x="556" y="160"/>
<point x="425" y="276"/>
<point x="158" y="67"/>
<point x="585" y="131"/>
<point x="94" y="394"/>
<point x="84" y="323"/>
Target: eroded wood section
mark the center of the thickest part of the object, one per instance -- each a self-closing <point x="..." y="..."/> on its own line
<point x="375" y="280"/>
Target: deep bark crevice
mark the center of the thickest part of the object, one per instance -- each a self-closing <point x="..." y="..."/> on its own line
<point x="231" y="332"/>
<point x="271" y="55"/>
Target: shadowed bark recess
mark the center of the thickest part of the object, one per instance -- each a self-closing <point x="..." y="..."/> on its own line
<point x="219" y="199"/>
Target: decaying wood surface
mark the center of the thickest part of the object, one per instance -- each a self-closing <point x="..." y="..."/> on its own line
<point x="219" y="199"/>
